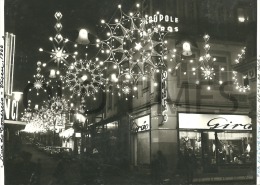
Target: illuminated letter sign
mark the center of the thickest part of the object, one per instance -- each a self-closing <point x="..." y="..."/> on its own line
<point x="141" y="124"/>
<point x="214" y="121"/>
<point x="11" y="109"/>
<point x="159" y="18"/>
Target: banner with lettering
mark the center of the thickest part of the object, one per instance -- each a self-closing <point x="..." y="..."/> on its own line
<point x="2" y="91"/>
<point x="214" y="121"/>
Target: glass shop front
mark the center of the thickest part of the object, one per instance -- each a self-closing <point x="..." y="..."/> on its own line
<point x="140" y="139"/>
<point x="218" y="141"/>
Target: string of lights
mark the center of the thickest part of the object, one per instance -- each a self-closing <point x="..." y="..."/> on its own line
<point x="240" y="87"/>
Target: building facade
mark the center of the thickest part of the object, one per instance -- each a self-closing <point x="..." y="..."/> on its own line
<point x="184" y="110"/>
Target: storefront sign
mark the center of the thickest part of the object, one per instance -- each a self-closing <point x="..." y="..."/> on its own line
<point x="214" y="121"/>
<point x="164" y="96"/>
<point x="159" y="18"/>
<point x="141" y="124"/>
<point x="11" y="109"/>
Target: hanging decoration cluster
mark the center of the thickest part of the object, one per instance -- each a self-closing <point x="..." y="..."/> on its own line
<point x="244" y="85"/>
<point x="58" y="54"/>
<point x="84" y="77"/>
<point x="134" y="47"/>
<point x="38" y="78"/>
<point x="206" y="61"/>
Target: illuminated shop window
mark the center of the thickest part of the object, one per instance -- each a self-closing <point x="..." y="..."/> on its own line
<point x="217" y="148"/>
<point x="190" y="140"/>
<point x="242" y="15"/>
<point x="235" y="148"/>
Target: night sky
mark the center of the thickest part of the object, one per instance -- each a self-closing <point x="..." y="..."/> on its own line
<point x="33" y="23"/>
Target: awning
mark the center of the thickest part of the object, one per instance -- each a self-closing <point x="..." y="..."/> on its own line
<point x="67" y="133"/>
<point x="14" y="122"/>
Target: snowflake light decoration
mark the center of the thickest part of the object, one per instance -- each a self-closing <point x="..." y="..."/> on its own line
<point x="208" y="72"/>
<point x="58" y="54"/>
<point x="58" y="105"/>
<point x="135" y="47"/>
<point x="84" y="78"/>
<point x="239" y="87"/>
<point x="206" y="61"/>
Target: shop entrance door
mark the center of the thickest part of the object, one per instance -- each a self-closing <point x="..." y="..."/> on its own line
<point x="209" y="153"/>
<point x="142" y="148"/>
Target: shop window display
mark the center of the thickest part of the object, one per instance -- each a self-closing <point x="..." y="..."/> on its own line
<point x="213" y="149"/>
<point x="191" y="140"/>
<point x="234" y="148"/>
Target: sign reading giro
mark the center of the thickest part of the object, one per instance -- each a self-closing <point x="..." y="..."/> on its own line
<point x="214" y="121"/>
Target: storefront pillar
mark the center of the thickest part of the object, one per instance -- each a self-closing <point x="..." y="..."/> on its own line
<point x="164" y="137"/>
<point x="252" y="114"/>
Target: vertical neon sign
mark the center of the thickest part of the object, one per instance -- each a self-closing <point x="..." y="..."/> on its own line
<point x="164" y="96"/>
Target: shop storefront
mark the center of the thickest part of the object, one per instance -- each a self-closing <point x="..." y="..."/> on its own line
<point x="141" y="141"/>
<point x="219" y="142"/>
<point x="67" y="138"/>
<point x="105" y="139"/>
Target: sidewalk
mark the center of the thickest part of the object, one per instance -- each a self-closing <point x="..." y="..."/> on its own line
<point x="139" y="178"/>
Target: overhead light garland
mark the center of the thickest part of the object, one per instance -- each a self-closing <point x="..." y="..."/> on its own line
<point x="135" y="47"/>
<point x="245" y="87"/>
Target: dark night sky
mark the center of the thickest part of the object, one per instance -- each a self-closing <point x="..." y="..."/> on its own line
<point x="32" y="22"/>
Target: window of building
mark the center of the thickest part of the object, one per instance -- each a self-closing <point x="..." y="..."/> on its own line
<point x="242" y="14"/>
<point x="234" y="148"/>
<point x="217" y="148"/>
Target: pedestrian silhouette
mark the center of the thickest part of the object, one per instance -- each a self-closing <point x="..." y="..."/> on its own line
<point x="158" y="168"/>
<point x="190" y="164"/>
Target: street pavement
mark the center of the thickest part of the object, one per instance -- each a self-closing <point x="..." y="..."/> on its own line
<point x="48" y="165"/>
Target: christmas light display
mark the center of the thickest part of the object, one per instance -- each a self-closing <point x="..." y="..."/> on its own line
<point x="38" y="78"/>
<point x="206" y="61"/>
<point x="240" y="87"/>
<point x="134" y="46"/>
<point x="58" y="105"/>
<point x="58" y="54"/>
<point x="84" y="77"/>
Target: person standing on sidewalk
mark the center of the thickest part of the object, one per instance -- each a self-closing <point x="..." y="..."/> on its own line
<point x="189" y="163"/>
<point x="158" y="168"/>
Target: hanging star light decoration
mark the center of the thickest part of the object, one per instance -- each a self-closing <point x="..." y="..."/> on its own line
<point x="206" y="61"/>
<point x="38" y="78"/>
<point x="58" y="54"/>
<point x="84" y="78"/>
<point x="237" y="82"/>
<point x="135" y="47"/>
